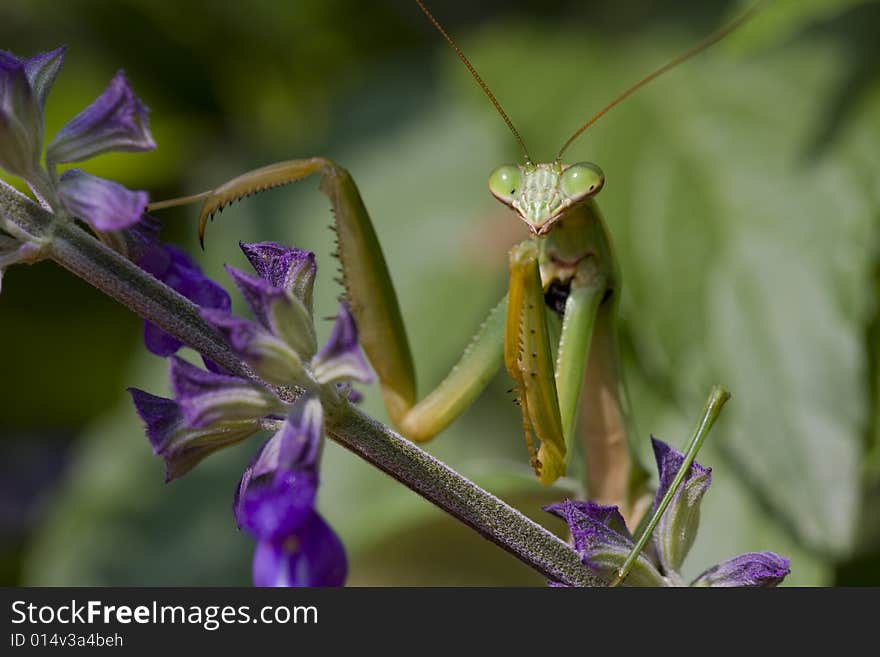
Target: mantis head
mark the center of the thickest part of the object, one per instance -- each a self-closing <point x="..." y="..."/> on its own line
<point x="541" y="193"/>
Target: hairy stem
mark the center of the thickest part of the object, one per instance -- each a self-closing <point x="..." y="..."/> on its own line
<point x="460" y="497"/>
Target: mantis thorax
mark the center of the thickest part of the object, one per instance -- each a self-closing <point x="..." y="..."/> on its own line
<point x="541" y="193"/>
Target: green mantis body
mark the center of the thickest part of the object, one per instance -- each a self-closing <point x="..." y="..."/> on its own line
<point x="566" y="270"/>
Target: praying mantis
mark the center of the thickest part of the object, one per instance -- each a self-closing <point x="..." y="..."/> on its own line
<point x="564" y="280"/>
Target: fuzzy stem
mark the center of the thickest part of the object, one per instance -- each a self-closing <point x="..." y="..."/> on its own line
<point x="460" y="497"/>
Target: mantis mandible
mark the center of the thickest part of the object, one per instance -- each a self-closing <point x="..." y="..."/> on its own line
<point x="566" y="268"/>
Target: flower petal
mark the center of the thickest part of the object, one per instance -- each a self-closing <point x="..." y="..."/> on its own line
<point x="185" y="276"/>
<point x="677" y="528"/>
<point x="277" y="491"/>
<point x="754" y="569"/>
<point x="180" y="446"/>
<point x="607" y="515"/>
<point x="208" y="398"/>
<point x="42" y="69"/>
<point x="283" y="315"/>
<point x="21" y="119"/>
<point x="293" y="270"/>
<point x="115" y="121"/>
<point x="275" y="510"/>
<point x="341" y="359"/>
<point x="178" y="271"/>
<point x="270" y="357"/>
<point x="603" y="548"/>
<point x="314" y="556"/>
<point x="104" y="204"/>
<point x="135" y="242"/>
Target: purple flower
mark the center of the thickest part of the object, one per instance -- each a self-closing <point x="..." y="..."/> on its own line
<point x="313" y="557"/>
<point x="677" y="528"/>
<point x="41" y="70"/>
<point x="115" y="121"/>
<point x="600" y="536"/>
<point x="340" y="359"/>
<point x="754" y="569"/>
<point x="277" y="491"/>
<point x="280" y="343"/>
<point x="293" y="270"/>
<point x="208" y="398"/>
<point x="180" y="445"/>
<point x="104" y="204"/>
<point x="275" y="499"/>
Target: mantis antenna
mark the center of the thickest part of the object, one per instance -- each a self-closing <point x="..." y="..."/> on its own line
<point x="477" y="77"/>
<point x="710" y="40"/>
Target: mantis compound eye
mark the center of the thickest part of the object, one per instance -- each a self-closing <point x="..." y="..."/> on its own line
<point x="581" y="180"/>
<point x="505" y="182"/>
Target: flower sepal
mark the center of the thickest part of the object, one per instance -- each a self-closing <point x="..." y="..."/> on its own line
<point x="273" y="359"/>
<point x="341" y="358"/>
<point x="292" y="270"/>
<point x="677" y="529"/>
<point x="278" y="311"/>
<point x="21" y="119"/>
<point x="209" y="398"/>
<point x="183" y="447"/>
<point x="600" y="536"/>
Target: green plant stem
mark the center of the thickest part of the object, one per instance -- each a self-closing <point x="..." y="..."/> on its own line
<point x="717" y="398"/>
<point x="460" y="497"/>
<point x="91" y="260"/>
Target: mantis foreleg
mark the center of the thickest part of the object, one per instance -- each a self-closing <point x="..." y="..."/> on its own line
<point x="373" y="301"/>
<point x="527" y="355"/>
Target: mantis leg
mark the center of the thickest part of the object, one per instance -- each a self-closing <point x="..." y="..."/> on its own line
<point x="613" y="476"/>
<point x="578" y="322"/>
<point x="527" y="355"/>
<point x="586" y="379"/>
<point x="373" y="301"/>
<point x="589" y="382"/>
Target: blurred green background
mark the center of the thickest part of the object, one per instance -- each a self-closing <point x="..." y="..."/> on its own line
<point x="742" y="192"/>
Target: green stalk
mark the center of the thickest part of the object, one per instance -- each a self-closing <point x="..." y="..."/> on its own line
<point x="717" y="398"/>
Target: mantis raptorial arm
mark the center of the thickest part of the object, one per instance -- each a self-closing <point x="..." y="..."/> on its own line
<point x="527" y="355"/>
<point x="588" y="289"/>
<point x="551" y="400"/>
<point x="373" y="301"/>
